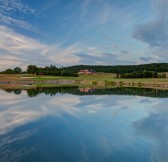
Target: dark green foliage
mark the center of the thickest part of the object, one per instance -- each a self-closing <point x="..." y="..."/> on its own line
<point x="68" y="73"/>
<point x="32" y="69"/>
<point x="109" y="91"/>
<point x="122" y="69"/>
<point x="73" y="70"/>
<point x="17" y="70"/>
<point x="8" y="71"/>
<point x="50" y="70"/>
<point x="144" y="74"/>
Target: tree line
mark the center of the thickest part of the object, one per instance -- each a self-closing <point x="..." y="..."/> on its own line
<point x="50" y="70"/>
<point x="16" y="70"/>
<point x="47" y="70"/>
<point x="144" y="74"/>
<point x="121" y="70"/>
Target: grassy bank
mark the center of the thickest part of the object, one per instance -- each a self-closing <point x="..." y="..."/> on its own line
<point x="101" y="79"/>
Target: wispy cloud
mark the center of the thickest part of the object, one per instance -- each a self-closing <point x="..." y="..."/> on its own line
<point x="49" y="4"/>
<point x="19" y="50"/>
<point x="8" y="8"/>
<point x="155" y="31"/>
<point x="103" y="58"/>
<point x="84" y="8"/>
<point x="100" y="27"/>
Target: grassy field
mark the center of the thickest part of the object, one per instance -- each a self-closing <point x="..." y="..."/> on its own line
<point x="100" y="79"/>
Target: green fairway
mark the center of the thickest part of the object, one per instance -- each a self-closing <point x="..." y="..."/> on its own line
<point x="100" y="79"/>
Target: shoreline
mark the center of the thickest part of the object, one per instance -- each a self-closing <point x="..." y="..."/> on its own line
<point x="100" y="80"/>
<point x="102" y="84"/>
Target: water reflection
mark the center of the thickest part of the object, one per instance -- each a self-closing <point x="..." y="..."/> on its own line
<point x="154" y="126"/>
<point x="99" y="125"/>
<point x="75" y="90"/>
<point x="87" y="89"/>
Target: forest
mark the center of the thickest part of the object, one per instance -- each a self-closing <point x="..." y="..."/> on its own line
<point x="51" y="70"/>
<point x="122" y="69"/>
<point x="143" y="74"/>
<point x="125" y="71"/>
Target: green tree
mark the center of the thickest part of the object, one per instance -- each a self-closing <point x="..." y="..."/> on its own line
<point x="8" y="71"/>
<point x="17" y="70"/>
<point x="32" y="69"/>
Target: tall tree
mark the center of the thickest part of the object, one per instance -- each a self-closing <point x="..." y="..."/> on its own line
<point x="32" y="69"/>
<point x="17" y="70"/>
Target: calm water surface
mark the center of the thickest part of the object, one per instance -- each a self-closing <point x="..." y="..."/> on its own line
<point x="80" y="127"/>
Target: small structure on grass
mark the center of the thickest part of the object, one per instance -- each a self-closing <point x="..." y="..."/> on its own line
<point x="88" y="72"/>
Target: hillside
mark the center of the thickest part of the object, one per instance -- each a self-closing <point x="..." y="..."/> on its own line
<point x="121" y="69"/>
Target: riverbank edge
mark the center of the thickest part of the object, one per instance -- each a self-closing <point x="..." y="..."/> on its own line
<point x="80" y="83"/>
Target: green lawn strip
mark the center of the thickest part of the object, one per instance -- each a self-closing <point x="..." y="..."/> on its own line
<point x="103" y="77"/>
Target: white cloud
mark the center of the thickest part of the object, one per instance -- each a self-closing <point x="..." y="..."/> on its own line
<point x="16" y="22"/>
<point x="84" y="8"/>
<point x="9" y="6"/>
<point x="155" y="31"/>
<point x="19" y="50"/>
<point x="66" y="56"/>
<point x="7" y="16"/>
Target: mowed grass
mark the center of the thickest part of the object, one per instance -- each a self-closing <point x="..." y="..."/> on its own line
<point x="111" y="78"/>
<point x="4" y="77"/>
<point x="98" y="77"/>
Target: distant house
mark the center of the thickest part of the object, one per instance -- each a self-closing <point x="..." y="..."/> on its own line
<point x="89" y="72"/>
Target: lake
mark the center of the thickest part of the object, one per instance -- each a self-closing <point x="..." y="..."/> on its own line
<point x="72" y="124"/>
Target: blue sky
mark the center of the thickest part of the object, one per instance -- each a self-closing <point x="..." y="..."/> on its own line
<point x="71" y="32"/>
